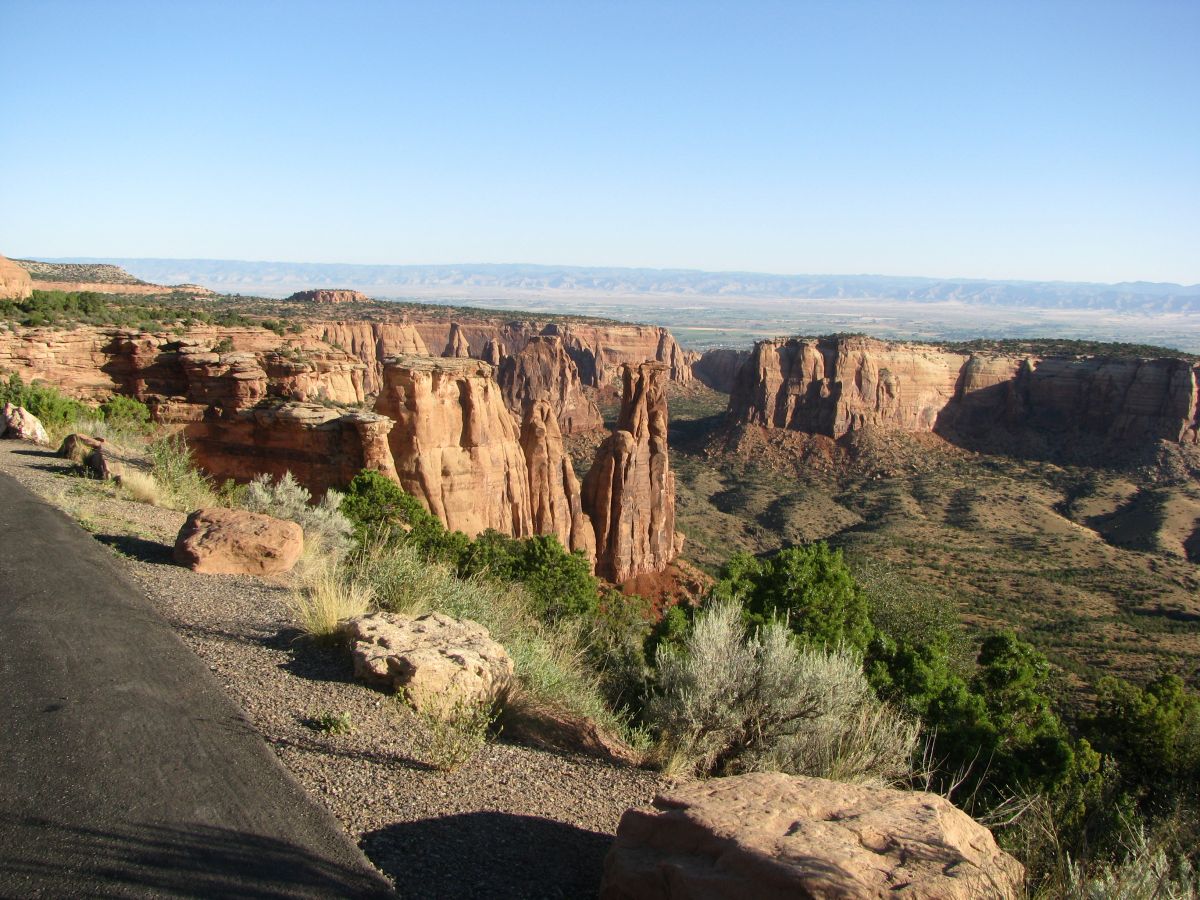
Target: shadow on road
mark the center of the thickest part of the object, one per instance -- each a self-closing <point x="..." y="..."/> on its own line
<point x="150" y="860"/>
<point x="490" y="854"/>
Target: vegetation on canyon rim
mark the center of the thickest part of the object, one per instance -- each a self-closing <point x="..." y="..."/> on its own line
<point x="791" y="662"/>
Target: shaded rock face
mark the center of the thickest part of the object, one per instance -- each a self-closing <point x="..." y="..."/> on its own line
<point x="320" y="446"/>
<point x="718" y="368"/>
<point x="236" y="542"/>
<point x="437" y="661"/>
<point x="629" y="492"/>
<point x="544" y="371"/>
<point x="330" y="295"/>
<point x="767" y="835"/>
<point x="555" y="504"/>
<point x="600" y="351"/>
<point x="455" y="445"/>
<point x="15" y="283"/>
<point x="832" y="386"/>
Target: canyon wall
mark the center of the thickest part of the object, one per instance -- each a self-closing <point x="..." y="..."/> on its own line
<point x="718" y="368"/>
<point x="15" y="283"/>
<point x="544" y="371"/>
<point x="630" y="490"/>
<point x="833" y="386"/>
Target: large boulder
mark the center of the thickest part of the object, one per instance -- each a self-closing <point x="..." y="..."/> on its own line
<point x="235" y="542"/>
<point x="767" y="835"/>
<point x="18" y="423"/>
<point x="434" y="659"/>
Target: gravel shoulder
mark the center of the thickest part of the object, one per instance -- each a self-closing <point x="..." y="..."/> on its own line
<point x="514" y="821"/>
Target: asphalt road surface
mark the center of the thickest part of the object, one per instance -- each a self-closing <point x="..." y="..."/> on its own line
<point x="124" y="768"/>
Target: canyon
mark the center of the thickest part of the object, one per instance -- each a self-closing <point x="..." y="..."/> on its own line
<point x="481" y="452"/>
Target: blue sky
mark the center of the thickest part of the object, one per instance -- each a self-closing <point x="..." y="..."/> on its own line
<point x="979" y="139"/>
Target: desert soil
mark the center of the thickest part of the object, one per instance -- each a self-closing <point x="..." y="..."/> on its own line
<point x="514" y="821"/>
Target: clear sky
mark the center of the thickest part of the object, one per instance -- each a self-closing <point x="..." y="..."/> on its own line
<point x="1001" y="139"/>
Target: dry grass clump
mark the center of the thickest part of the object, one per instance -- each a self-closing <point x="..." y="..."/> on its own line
<point x="451" y="735"/>
<point x="322" y="595"/>
<point x="730" y="702"/>
<point x="185" y="488"/>
<point x="549" y="659"/>
<point x="141" y="487"/>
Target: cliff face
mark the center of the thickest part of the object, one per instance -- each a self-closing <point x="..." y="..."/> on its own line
<point x="321" y="447"/>
<point x="544" y="371"/>
<point x="832" y="386"/>
<point x="455" y="445"/>
<point x="718" y="368"/>
<point x="555" y="503"/>
<point x="630" y="490"/>
<point x="15" y="283"/>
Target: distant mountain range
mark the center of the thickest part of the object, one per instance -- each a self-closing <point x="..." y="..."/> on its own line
<point x="281" y="278"/>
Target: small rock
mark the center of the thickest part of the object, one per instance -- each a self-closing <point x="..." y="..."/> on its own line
<point x="18" y="423"/>
<point x="435" y="659"/>
<point x="235" y="542"/>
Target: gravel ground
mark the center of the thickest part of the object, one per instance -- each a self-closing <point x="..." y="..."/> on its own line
<point x="514" y="821"/>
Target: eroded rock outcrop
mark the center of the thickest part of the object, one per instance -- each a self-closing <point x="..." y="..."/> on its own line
<point x="544" y="371"/>
<point x="322" y="447"/>
<point x="629" y="492"/>
<point x="329" y="296"/>
<point x="236" y="542"/>
<point x="832" y="386"/>
<point x="555" y="504"/>
<point x="15" y="283"/>
<point x="718" y="368"/>
<point x="437" y="661"/>
<point x="773" y="836"/>
<point x="455" y="445"/>
<point x="457" y="346"/>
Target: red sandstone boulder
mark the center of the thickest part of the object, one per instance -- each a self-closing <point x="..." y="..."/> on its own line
<point x="76" y="447"/>
<point x="19" y="424"/>
<point x="235" y="542"/>
<point x="773" y="836"/>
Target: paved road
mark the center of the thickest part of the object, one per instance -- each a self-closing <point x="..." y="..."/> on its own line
<point x="124" y="768"/>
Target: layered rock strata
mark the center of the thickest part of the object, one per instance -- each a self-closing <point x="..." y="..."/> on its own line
<point x="832" y="386"/>
<point x="718" y="368"/>
<point x="544" y="371"/>
<point x="322" y="447"/>
<point x="330" y="295"/>
<point x="629" y="492"/>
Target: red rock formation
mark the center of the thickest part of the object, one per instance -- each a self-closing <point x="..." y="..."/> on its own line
<point x="330" y="295"/>
<point x="832" y="386"/>
<point x="629" y="493"/>
<point x="455" y="445"/>
<point x="15" y="283"/>
<point x="718" y="368"/>
<point x="456" y="344"/>
<point x="544" y="371"/>
<point x="554" y="500"/>
<point x="321" y="447"/>
<point x="600" y="351"/>
<point x="371" y="343"/>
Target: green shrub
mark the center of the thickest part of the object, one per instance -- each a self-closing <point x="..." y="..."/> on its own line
<point x="126" y="413"/>
<point x="560" y="583"/>
<point x="172" y="466"/>
<point x="288" y="499"/>
<point x="729" y="701"/>
<point x="451" y="736"/>
<point x="52" y="408"/>
<point x="810" y="588"/>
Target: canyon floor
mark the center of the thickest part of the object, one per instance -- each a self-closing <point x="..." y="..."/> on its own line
<point x="1096" y="566"/>
<point x="512" y="822"/>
